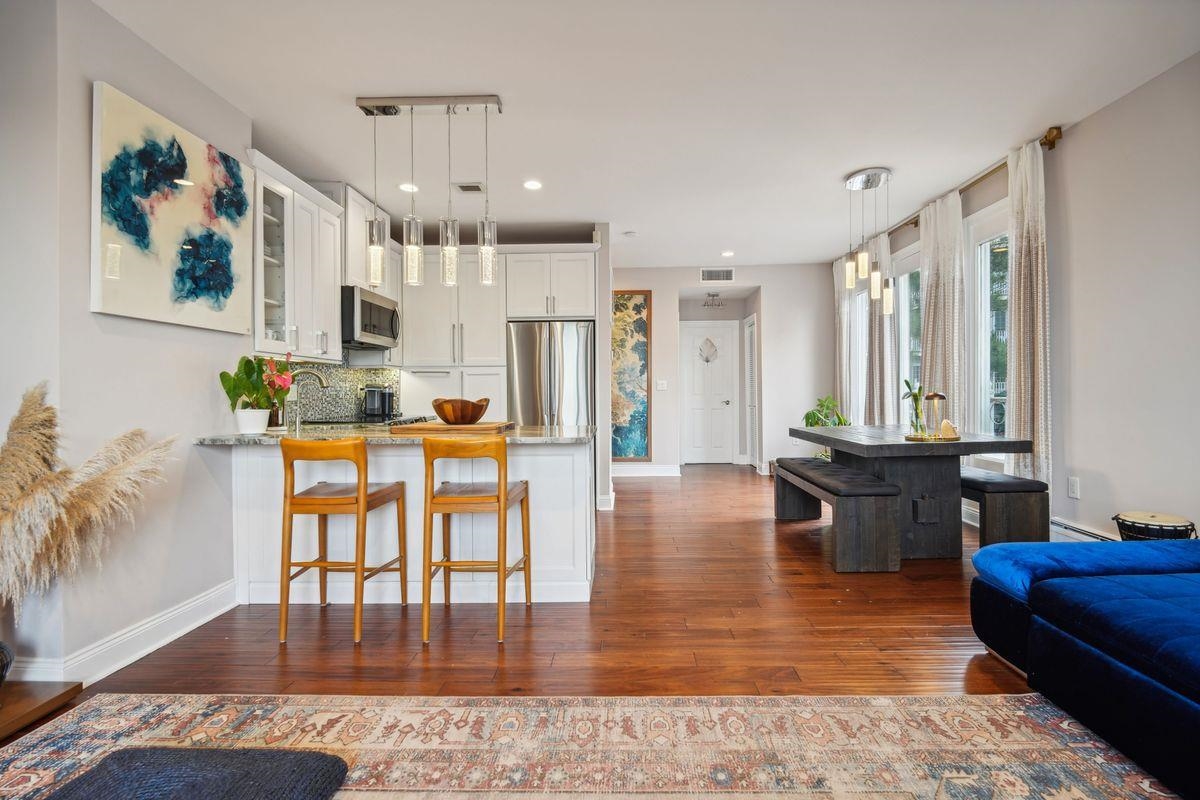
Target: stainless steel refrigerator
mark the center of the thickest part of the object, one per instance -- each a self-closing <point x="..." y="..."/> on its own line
<point x="552" y="373"/>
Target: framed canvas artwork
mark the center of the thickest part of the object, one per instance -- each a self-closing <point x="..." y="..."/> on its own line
<point x="631" y="376"/>
<point x="172" y="232"/>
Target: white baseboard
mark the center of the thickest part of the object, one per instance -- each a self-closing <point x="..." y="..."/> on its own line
<point x="36" y="669"/>
<point x="627" y="469"/>
<point x="764" y="468"/>
<point x="970" y="513"/>
<point x="1069" y="530"/>
<point x="606" y="502"/>
<point x="741" y="459"/>
<point x="462" y="590"/>
<point x="122" y="648"/>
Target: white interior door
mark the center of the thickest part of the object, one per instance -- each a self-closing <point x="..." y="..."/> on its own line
<point x="709" y="355"/>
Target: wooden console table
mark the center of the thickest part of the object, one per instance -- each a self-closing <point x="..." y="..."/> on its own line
<point x="927" y="473"/>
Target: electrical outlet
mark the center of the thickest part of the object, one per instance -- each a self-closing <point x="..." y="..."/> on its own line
<point x="1073" y="487"/>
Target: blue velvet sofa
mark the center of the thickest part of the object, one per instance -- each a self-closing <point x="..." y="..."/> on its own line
<point x="1110" y="632"/>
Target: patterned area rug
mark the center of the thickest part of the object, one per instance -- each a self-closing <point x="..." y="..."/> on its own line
<point x="1011" y="746"/>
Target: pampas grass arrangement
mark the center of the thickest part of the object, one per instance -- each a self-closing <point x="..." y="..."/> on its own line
<point x="53" y="517"/>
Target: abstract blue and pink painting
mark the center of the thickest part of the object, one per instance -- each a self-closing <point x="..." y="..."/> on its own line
<point x="172" y="232"/>
<point x="631" y="376"/>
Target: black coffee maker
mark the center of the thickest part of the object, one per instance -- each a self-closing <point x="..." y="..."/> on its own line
<point x="379" y="403"/>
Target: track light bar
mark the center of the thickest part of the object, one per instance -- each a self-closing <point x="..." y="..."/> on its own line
<point x="392" y="106"/>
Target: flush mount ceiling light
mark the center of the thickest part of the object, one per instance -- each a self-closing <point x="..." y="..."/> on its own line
<point x="532" y="185"/>
<point x="408" y="187"/>
<point x="726" y="254"/>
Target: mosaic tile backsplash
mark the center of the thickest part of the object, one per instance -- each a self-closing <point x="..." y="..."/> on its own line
<point x="343" y="399"/>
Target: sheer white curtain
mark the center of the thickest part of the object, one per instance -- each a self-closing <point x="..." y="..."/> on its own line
<point x="882" y="396"/>
<point x="1028" y="405"/>
<point x="841" y="329"/>
<point x="942" y="335"/>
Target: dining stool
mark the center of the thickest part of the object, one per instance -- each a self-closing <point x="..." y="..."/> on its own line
<point x="324" y="499"/>
<point x="472" y="498"/>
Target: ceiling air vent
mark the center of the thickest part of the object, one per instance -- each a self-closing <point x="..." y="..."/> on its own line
<point x="474" y="187"/>
<point x="708" y="275"/>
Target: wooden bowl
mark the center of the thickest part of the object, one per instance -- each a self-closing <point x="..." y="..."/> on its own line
<point x="458" y="411"/>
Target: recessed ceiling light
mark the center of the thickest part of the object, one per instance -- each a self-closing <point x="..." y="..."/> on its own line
<point x="532" y="185"/>
<point x="726" y="254"/>
<point x="409" y="187"/>
<point x="184" y="182"/>
<point x="629" y="234"/>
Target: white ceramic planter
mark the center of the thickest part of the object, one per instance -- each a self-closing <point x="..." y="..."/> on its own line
<point x="252" y="420"/>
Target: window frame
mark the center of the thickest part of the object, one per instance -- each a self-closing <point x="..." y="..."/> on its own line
<point x="978" y="229"/>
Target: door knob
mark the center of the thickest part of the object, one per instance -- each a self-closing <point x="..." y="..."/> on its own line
<point x="725" y="402"/>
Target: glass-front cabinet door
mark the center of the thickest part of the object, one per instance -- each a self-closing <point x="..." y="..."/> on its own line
<point x="275" y="318"/>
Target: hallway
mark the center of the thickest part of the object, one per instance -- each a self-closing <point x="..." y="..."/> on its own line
<point x="697" y="591"/>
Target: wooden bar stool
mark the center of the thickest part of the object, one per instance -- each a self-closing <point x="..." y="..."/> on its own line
<point x="473" y="498"/>
<point x="324" y="499"/>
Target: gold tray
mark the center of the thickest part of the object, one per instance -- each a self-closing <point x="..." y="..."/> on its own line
<point x="930" y="438"/>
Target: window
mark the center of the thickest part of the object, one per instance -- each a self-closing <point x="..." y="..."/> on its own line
<point x="986" y="312"/>
<point x="906" y="265"/>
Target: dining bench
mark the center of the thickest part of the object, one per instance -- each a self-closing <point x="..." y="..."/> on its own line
<point x="1011" y="509"/>
<point x="866" y="537"/>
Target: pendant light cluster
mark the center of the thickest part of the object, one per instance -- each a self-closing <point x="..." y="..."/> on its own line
<point x="858" y="263"/>
<point x="413" y="232"/>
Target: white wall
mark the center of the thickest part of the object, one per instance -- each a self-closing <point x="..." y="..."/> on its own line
<point x="29" y="267"/>
<point x="110" y="374"/>
<point x="795" y="331"/>
<point x="604" y="285"/>
<point x="1123" y="215"/>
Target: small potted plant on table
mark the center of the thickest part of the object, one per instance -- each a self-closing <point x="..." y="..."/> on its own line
<point x="257" y="390"/>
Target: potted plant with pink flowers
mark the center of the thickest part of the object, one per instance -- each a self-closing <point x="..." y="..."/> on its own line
<point x="256" y="388"/>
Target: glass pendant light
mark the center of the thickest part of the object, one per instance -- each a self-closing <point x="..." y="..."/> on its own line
<point x="876" y="275"/>
<point x="861" y="258"/>
<point x="448" y="225"/>
<point x="486" y="233"/>
<point x="889" y="299"/>
<point x="414" y="229"/>
<point x="375" y="232"/>
<point x="851" y="281"/>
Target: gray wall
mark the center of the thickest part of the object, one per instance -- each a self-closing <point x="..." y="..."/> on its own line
<point x="1123" y="212"/>
<point x="107" y="374"/>
<point x="29" y="265"/>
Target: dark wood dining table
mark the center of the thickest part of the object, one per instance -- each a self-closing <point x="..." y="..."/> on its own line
<point x="927" y="473"/>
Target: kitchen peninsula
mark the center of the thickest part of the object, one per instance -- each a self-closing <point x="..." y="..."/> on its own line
<point x="558" y="462"/>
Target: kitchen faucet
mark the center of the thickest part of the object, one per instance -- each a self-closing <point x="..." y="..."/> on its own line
<point x="296" y="375"/>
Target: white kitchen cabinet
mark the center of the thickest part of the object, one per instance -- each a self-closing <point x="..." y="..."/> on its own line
<point x="393" y="277"/>
<point x="491" y="383"/>
<point x="297" y="266"/>
<point x="358" y="209"/>
<point x="528" y="284"/>
<point x="459" y="325"/>
<point x="420" y="387"/>
<point x="543" y="285"/>
<point x="481" y="315"/>
<point x="573" y="284"/>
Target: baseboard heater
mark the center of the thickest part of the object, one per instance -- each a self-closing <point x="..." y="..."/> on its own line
<point x="1090" y="533"/>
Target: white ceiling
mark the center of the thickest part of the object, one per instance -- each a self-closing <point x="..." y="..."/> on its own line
<point x="702" y="125"/>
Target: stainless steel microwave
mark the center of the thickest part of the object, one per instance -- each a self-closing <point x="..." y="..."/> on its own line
<point x="370" y="321"/>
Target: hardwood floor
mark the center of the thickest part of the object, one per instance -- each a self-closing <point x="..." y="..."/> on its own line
<point x="698" y="591"/>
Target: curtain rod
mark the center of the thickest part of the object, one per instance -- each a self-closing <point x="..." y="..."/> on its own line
<point x="1051" y="138"/>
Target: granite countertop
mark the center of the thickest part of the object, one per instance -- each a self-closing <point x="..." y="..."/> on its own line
<point x="380" y="434"/>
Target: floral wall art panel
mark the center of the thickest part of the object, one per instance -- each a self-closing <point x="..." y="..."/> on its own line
<point x="631" y="376"/>
<point x="172" y="229"/>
